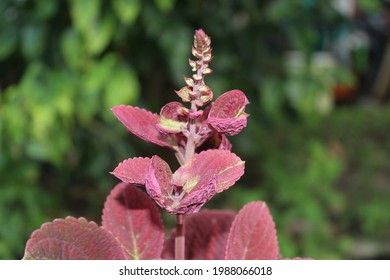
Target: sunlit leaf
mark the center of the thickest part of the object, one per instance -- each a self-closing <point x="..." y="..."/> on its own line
<point x="84" y="13"/>
<point x="133" y="170"/>
<point x="132" y="217"/>
<point x="72" y="239"/>
<point x="127" y="10"/>
<point x="224" y="165"/>
<point x="72" y="48"/>
<point x="165" y="5"/>
<point x="122" y="87"/>
<point x="253" y="234"/>
<point x="141" y="123"/>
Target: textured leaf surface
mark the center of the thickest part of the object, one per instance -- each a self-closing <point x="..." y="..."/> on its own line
<point x="222" y="165"/>
<point x="227" y="113"/>
<point x="132" y="217"/>
<point x="253" y="235"/>
<point x="206" y="235"/>
<point x="72" y="239"/>
<point x="200" y="179"/>
<point x="173" y="118"/>
<point x="133" y="170"/>
<point x="141" y="123"/>
<point x="159" y="182"/>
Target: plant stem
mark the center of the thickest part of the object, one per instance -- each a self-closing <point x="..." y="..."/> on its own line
<point x="190" y="146"/>
<point x="180" y="238"/>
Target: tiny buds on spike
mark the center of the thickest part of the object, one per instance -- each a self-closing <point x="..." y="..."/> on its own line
<point x="196" y="53"/>
<point x="207" y="71"/>
<point x="197" y="77"/>
<point x="189" y="81"/>
<point x="194" y="65"/>
<point x="207" y="58"/>
<point x="184" y="94"/>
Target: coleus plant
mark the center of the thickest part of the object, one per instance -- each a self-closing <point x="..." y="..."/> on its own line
<point x="132" y="227"/>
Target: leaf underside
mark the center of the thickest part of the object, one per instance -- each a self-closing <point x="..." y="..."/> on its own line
<point x="253" y="234"/>
<point x="72" y="239"/>
<point x="132" y="217"/>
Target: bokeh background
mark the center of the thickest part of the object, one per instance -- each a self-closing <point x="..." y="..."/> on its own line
<point x="317" y="142"/>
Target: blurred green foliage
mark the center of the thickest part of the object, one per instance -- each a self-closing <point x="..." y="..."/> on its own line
<point x="64" y="64"/>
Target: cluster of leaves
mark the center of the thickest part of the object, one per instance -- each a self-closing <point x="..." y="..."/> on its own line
<point x="132" y="229"/>
<point x="131" y="225"/>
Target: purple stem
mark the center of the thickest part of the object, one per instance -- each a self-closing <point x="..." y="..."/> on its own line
<point x="180" y="238"/>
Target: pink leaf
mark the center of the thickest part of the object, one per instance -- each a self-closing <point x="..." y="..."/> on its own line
<point x="206" y="235"/>
<point x="173" y="118"/>
<point x="227" y="113"/>
<point x="72" y="239"/>
<point x="192" y="202"/>
<point x="133" y="170"/>
<point x="132" y="217"/>
<point x="141" y="123"/>
<point x="229" y="126"/>
<point x="159" y="182"/>
<point x="222" y="165"/>
<point x="253" y="234"/>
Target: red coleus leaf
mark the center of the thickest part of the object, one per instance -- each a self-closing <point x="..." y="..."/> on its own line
<point x="159" y="182"/>
<point x="142" y="123"/>
<point x="223" y="165"/>
<point x="72" y="239"/>
<point x="194" y="183"/>
<point x="206" y="234"/>
<point x="132" y="217"/>
<point x="227" y="113"/>
<point x="253" y="234"/>
<point x="173" y="118"/>
<point x="133" y="170"/>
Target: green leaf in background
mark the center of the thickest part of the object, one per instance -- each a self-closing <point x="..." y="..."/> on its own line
<point x="33" y="40"/>
<point x="72" y="49"/>
<point x="165" y="5"/>
<point x="99" y="34"/>
<point x="369" y="5"/>
<point x="45" y="8"/>
<point x="127" y="10"/>
<point x="8" y="39"/>
<point x="84" y="13"/>
<point x="122" y="87"/>
<point x="176" y="43"/>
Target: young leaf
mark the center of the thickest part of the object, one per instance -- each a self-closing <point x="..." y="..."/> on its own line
<point x="206" y="235"/>
<point x="227" y="113"/>
<point x="133" y="170"/>
<point x="72" y="239"/>
<point x="173" y="118"/>
<point x="141" y="123"/>
<point x="253" y="234"/>
<point x="133" y="219"/>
